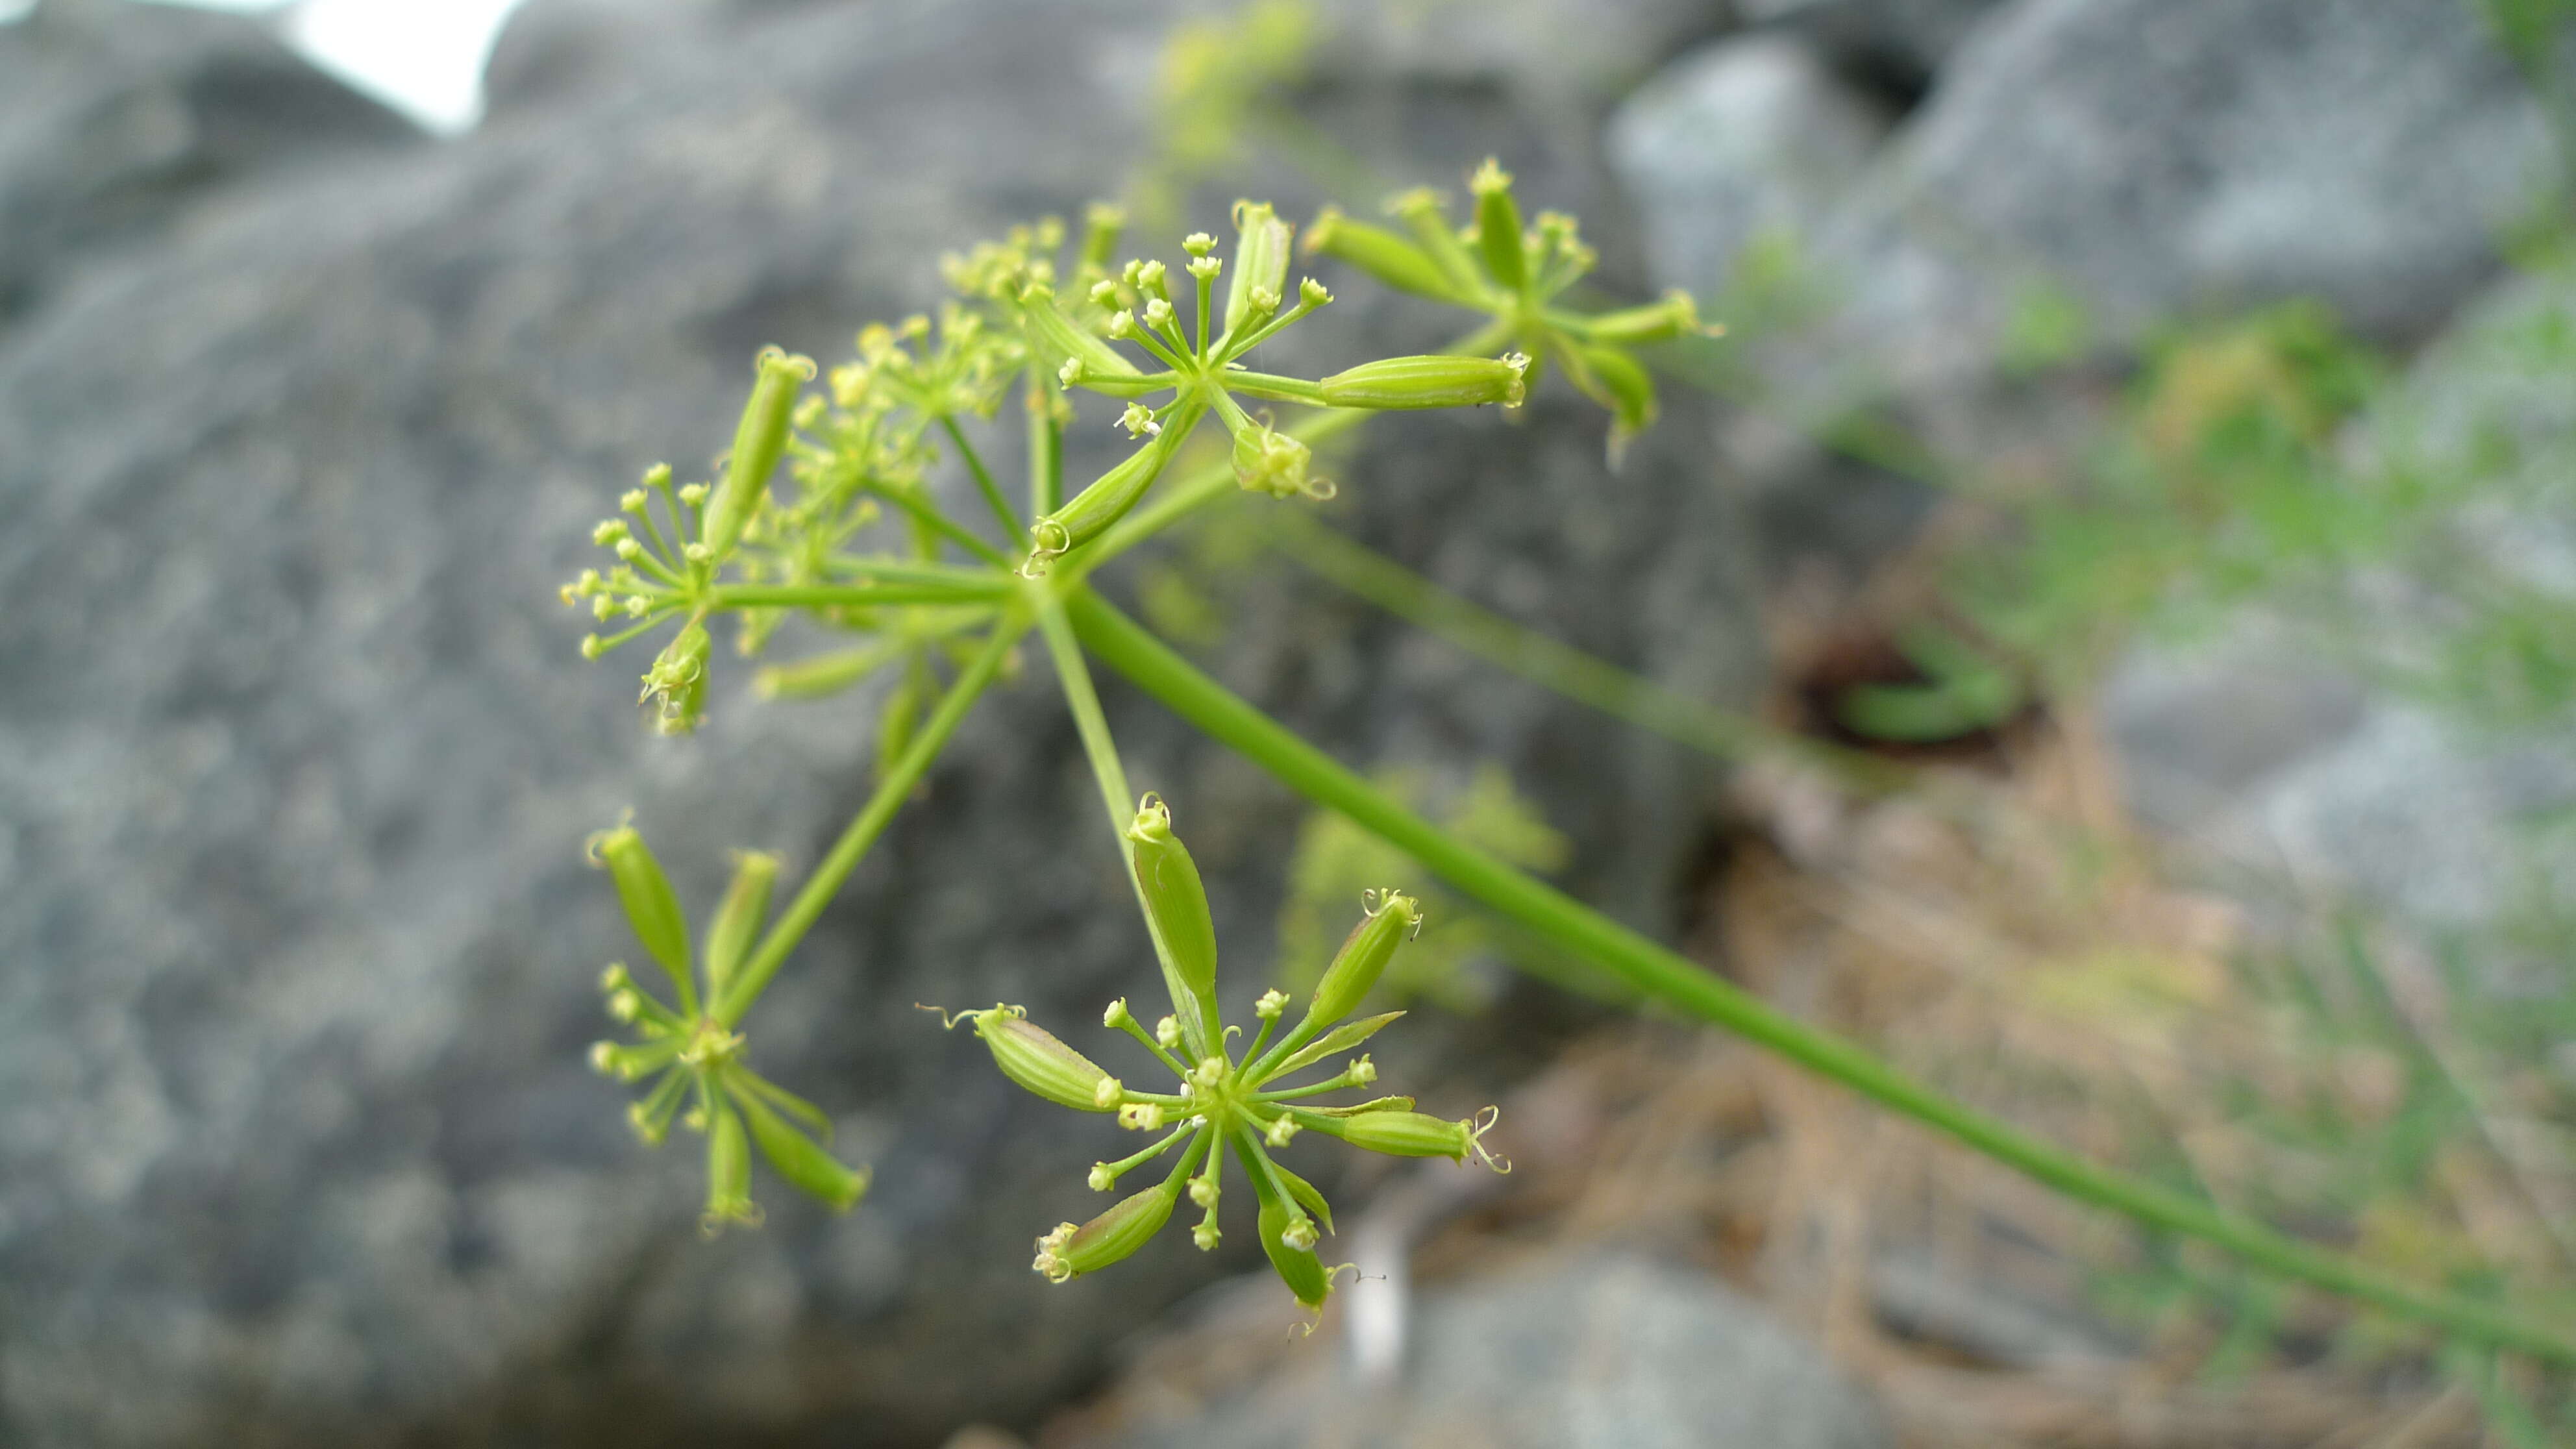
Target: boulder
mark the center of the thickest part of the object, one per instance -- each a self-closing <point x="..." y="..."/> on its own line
<point x="296" y="755"/>
<point x="1751" y="137"/>
<point x="1571" y="1347"/>
<point x="126" y="120"/>
<point x="2151" y="159"/>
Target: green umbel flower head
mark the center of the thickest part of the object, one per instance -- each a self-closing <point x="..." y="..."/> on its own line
<point x="1227" y="1103"/>
<point x="693" y="1055"/>
<point x="1514" y="274"/>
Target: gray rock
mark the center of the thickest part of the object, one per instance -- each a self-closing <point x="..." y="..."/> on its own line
<point x="1575" y="1348"/>
<point x="1748" y="136"/>
<point x="1907" y="40"/>
<point x="123" y="119"/>
<point x="2134" y="161"/>
<point x="296" y="954"/>
<point x="2151" y="158"/>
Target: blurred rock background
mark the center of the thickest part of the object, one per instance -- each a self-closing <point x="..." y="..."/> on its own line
<point x="303" y="414"/>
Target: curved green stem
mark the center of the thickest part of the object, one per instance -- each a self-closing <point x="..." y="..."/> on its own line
<point x="1119" y="800"/>
<point x="1675" y="981"/>
<point x="872" y="820"/>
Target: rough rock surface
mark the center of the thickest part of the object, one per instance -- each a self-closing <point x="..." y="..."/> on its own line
<point x="1745" y="137"/>
<point x="2151" y="158"/>
<point x="119" y="125"/>
<point x="1903" y="41"/>
<point x="1576" y="1348"/>
<point x="296" y="954"/>
<point x="2127" y="162"/>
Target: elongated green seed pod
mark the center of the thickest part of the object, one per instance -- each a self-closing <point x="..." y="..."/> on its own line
<point x="1101" y="224"/>
<point x="678" y="680"/>
<point x="728" y="1172"/>
<point x="1279" y="464"/>
<point x="825" y="674"/>
<point x="1404" y="1134"/>
<point x="1363" y="957"/>
<point x="651" y="906"/>
<point x="1174" y="895"/>
<point x="1498" y="226"/>
<point x="1380" y="253"/>
<point x="1031" y="1056"/>
<point x="1298" y="1267"/>
<point x="1049" y="326"/>
<point x="758" y="442"/>
<point x="1423" y="213"/>
<point x="1675" y="316"/>
<point x="1107" y="500"/>
<point x="800" y="1159"/>
<point x="1069" y="1252"/>
<point x="1261" y="251"/>
<point x="1615" y="380"/>
<point x="1429" y="382"/>
<point x="739" y="919"/>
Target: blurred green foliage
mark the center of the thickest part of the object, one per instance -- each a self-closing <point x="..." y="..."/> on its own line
<point x="1452" y="962"/>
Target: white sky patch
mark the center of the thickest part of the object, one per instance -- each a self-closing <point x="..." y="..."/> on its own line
<point x="424" y="58"/>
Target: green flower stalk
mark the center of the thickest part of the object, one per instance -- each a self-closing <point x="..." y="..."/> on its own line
<point x="1228" y="1103"/>
<point x="694" y="1060"/>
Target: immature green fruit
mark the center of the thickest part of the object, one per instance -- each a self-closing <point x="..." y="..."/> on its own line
<point x="738" y="921"/>
<point x="1070" y="1252"/>
<point x="1031" y="1056"/>
<point x="1498" y="226"/>
<point x="651" y="906"/>
<point x="758" y="442"/>
<point x="728" y="1173"/>
<point x="1363" y="957"/>
<point x="1288" y="1237"/>
<point x="1269" y="461"/>
<point x="1675" y="316"/>
<point x="1429" y="382"/>
<point x="1100" y="227"/>
<point x="1176" y="899"/>
<point x="800" y="1160"/>
<point x="678" y="679"/>
<point x="1050" y="327"/>
<point x="1614" y="378"/>
<point x="1422" y="211"/>
<point x="1407" y="1134"/>
<point x="1261" y="251"/>
<point x="1106" y="501"/>
<point x="1380" y="253"/>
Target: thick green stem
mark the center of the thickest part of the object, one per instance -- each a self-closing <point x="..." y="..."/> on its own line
<point x="872" y="820"/>
<point x="1120" y="801"/>
<point x="1678" y="983"/>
